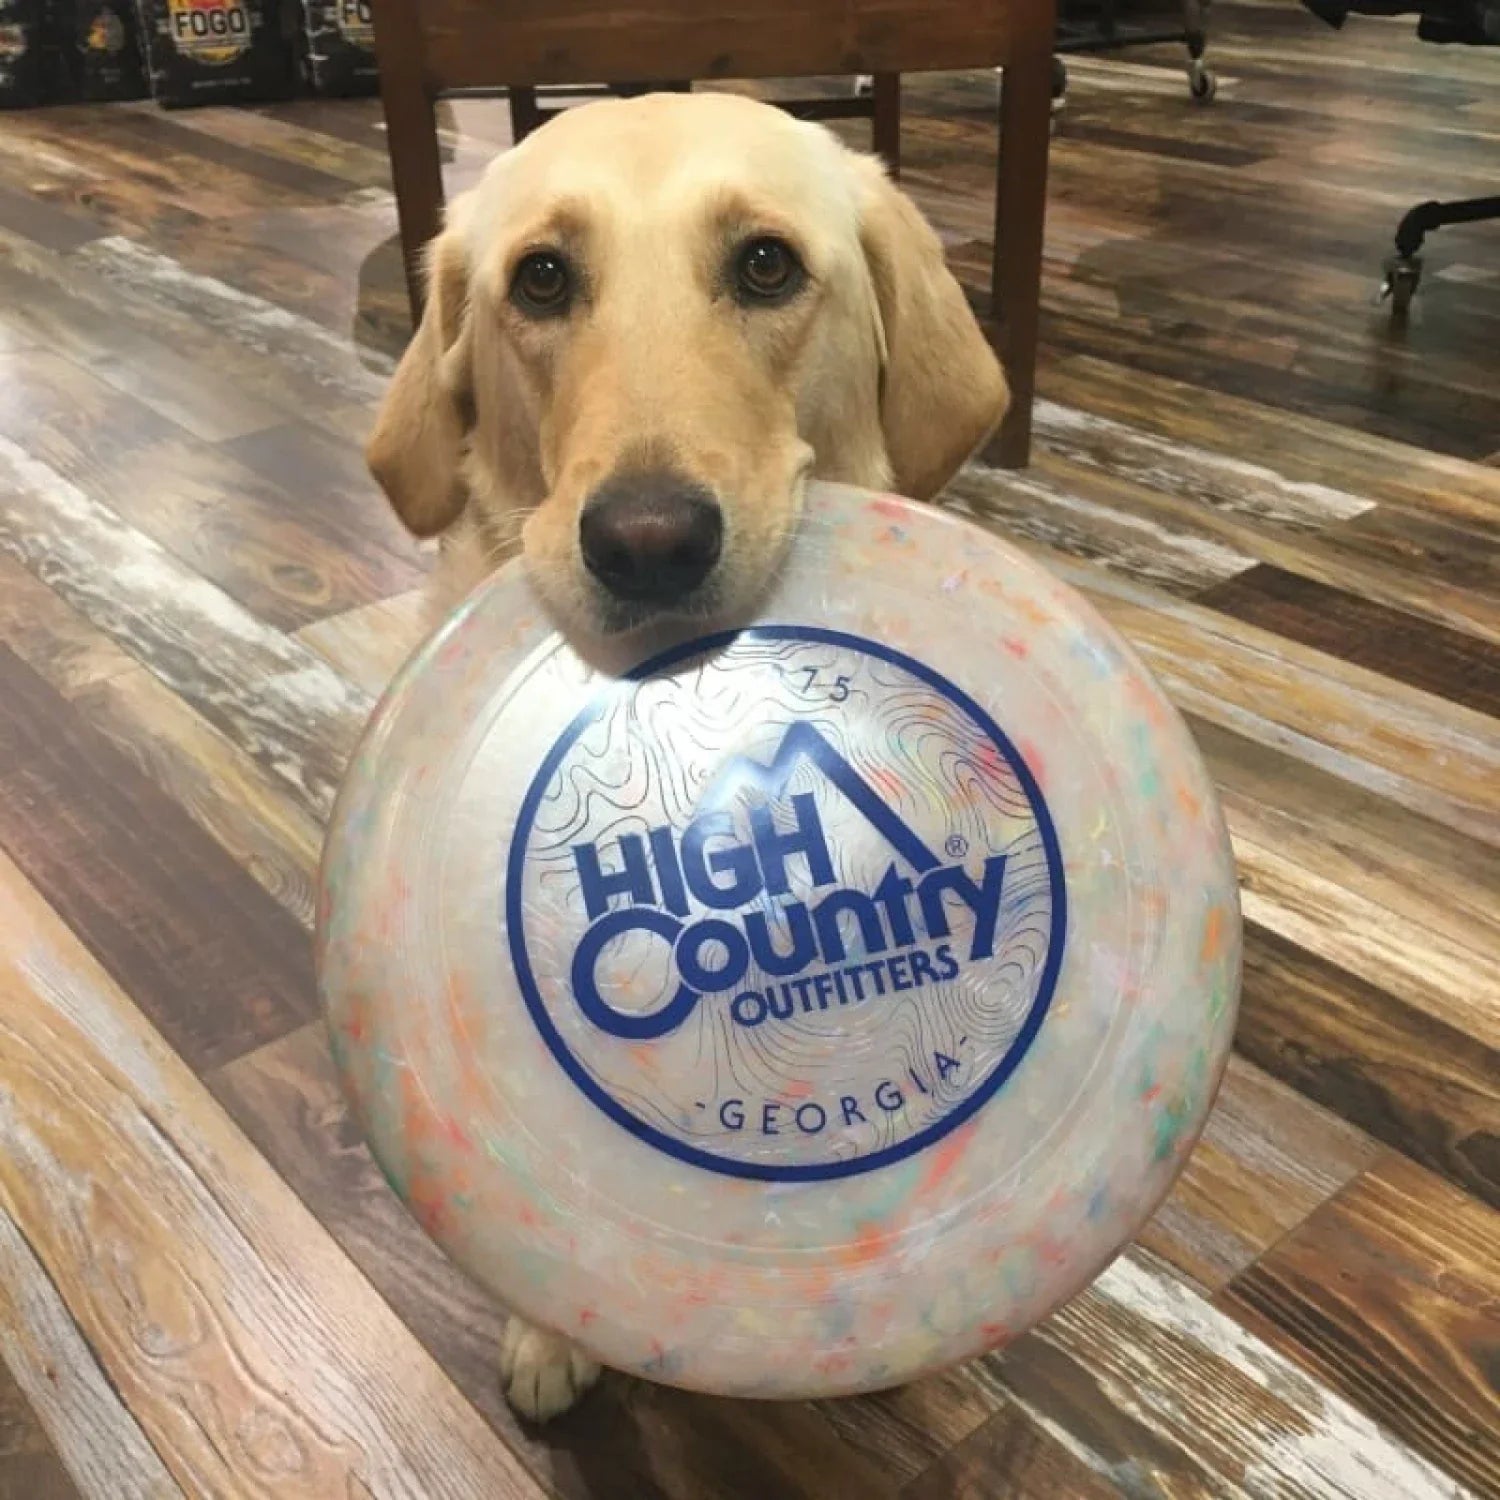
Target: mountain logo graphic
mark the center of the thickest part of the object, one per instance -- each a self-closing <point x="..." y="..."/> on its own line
<point x="787" y="904"/>
<point x="803" y="742"/>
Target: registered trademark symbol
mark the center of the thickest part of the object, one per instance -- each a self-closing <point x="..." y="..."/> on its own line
<point x="957" y="846"/>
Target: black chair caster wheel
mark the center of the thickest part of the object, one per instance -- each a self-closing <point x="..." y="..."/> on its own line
<point x="1403" y="275"/>
<point x="1202" y="81"/>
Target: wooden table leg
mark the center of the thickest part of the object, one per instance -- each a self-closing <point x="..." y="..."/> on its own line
<point x="1020" y="208"/>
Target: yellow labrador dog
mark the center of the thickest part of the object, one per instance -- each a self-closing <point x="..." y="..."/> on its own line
<point x="645" y="329"/>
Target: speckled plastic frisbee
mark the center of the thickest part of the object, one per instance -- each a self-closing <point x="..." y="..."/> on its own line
<point x="795" y="1009"/>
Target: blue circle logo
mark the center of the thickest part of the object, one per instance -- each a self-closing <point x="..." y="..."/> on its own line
<point x="786" y="904"/>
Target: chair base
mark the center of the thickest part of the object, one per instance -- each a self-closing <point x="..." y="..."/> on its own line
<point x="1403" y="270"/>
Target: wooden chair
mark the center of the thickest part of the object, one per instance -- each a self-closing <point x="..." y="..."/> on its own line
<point x="881" y="106"/>
<point x="429" y="49"/>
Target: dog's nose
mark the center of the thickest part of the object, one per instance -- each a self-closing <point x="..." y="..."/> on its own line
<point x="651" y="538"/>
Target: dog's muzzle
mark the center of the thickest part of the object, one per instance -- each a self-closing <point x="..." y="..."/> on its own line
<point x="651" y="538"/>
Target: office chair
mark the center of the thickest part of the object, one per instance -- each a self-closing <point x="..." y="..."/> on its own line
<point x="1469" y="23"/>
<point x="1403" y="271"/>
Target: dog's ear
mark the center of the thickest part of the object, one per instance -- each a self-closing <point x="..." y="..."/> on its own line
<point x="420" y="431"/>
<point x="942" y="390"/>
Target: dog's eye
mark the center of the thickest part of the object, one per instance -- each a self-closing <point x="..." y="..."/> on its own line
<point x="542" y="284"/>
<point x="767" y="270"/>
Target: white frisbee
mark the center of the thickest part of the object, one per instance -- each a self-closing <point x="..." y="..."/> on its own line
<point x="796" y="1009"/>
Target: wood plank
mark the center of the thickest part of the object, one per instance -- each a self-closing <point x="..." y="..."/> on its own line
<point x="1013" y="1451"/>
<point x="29" y="1465"/>
<point x="269" y="694"/>
<point x="287" y="1099"/>
<point x="1266" y="1160"/>
<point x="1360" y="630"/>
<point x="627" y="1439"/>
<point x="160" y="134"/>
<point x="1299" y="448"/>
<point x="1355" y="838"/>
<point x="1157" y="206"/>
<point x="360" y="122"/>
<point x="1115" y="539"/>
<point x="326" y="475"/>
<point x="204" y="400"/>
<point x="1391" y="948"/>
<point x="763" y="1448"/>
<point x="298" y="344"/>
<point x="249" y="815"/>
<point x="185" y="373"/>
<point x="51" y="227"/>
<point x="1155" y="144"/>
<point x="908" y="1430"/>
<point x="180" y="183"/>
<point x="289" y="555"/>
<point x="338" y="245"/>
<point x="76" y="424"/>
<point x="218" y="965"/>
<point x="149" y="178"/>
<point x="1258" y="356"/>
<point x="319" y="266"/>
<point x="1425" y="754"/>
<point x="97" y="1439"/>
<point x="281" y="358"/>
<point x="368" y="645"/>
<point x="354" y="422"/>
<point x="207" y="404"/>
<point x="52" y="639"/>
<point x="1422" y="754"/>
<point x="131" y="203"/>
<point x="1426" y="1088"/>
<point x="1203" y="477"/>
<point x="330" y="472"/>
<point x="1341" y="557"/>
<point x="1428" y="547"/>
<point x="1146" y="192"/>
<point x="1162" y="1394"/>
<point x="251" y="1350"/>
<point x="361" y="163"/>
<point x="1389" y="1294"/>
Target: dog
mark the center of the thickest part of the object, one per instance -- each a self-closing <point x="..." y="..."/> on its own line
<point x="645" y="328"/>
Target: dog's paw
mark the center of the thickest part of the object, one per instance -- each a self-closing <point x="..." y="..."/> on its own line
<point x="541" y="1374"/>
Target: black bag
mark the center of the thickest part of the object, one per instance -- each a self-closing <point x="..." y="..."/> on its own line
<point x="23" y="68"/>
<point x="216" y="51"/>
<point x="340" y="47"/>
<point x="101" y="57"/>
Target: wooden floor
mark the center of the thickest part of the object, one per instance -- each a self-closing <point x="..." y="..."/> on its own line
<point x="205" y="1287"/>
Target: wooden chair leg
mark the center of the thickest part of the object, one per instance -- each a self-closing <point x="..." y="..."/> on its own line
<point x="411" y="140"/>
<point x="1020" y="211"/>
<point x="525" y="114"/>
<point x="886" y="118"/>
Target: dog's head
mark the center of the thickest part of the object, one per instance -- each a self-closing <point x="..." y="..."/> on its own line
<point x="645" y="328"/>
